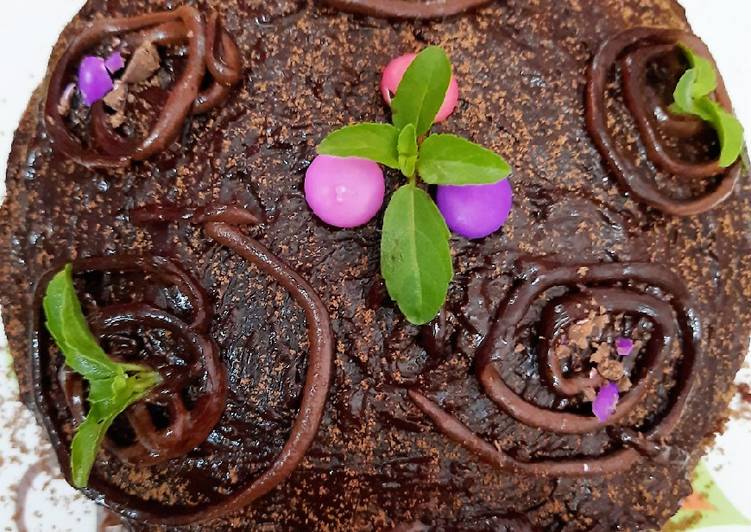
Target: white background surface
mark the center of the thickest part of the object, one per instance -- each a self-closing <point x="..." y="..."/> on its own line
<point x="28" y="29"/>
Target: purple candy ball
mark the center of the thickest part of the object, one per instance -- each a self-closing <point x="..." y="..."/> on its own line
<point x="344" y="192"/>
<point x="475" y="211"/>
<point x="94" y="81"/>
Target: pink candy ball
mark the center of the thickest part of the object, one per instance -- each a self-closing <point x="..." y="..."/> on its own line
<point x="392" y="76"/>
<point x="344" y="192"/>
<point x="475" y="211"/>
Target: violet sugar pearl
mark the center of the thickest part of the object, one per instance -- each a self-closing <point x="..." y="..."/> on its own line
<point x="344" y="192"/>
<point x="392" y="77"/>
<point x="94" y="80"/>
<point x="475" y="211"/>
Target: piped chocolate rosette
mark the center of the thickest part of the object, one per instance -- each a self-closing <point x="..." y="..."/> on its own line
<point x="674" y="164"/>
<point x="407" y="9"/>
<point x="198" y="76"/>
<point x="150" y="311"/>
<point x="559" y="313"/>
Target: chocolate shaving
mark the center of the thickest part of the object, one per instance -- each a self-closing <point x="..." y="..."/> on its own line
<point x="116" y="100"/>
<point x="144" y="63"/>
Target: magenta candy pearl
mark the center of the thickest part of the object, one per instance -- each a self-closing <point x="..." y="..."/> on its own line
<point x="475" y="211"/>
<point x="393" y="74"/>
<point x="344" y="192"/>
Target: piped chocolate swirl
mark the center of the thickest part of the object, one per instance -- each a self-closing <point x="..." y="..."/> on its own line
<point x="600" y="283"/>
<point x="635" y="51"/>
<point x="408" y="437"/>
<point x="407" y="9"/>
<point x="210" y="50"/>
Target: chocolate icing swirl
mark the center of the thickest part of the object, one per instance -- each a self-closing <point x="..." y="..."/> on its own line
<point x="405" y="9"/>
<point x="211" y="49"/>
<point x="634" y="50"/>
<point x="190" y="427"/>
<point x="604" y="284"/>
<point x="187" y="426"/>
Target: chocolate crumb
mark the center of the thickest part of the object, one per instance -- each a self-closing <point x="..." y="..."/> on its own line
<point x="610" y="369"/>
<point x="143" y="64"/>
<point x="601" y="354"/>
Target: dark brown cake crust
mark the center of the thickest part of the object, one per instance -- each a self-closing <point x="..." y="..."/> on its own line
<point x="383" y="458"/>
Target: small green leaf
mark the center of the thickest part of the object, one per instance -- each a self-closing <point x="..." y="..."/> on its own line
<point x="407" y="147"/>
<point x="415" y="254"/>
<point x="407" y="165"/>
<point x="451" y="160"/>
<point x="67" y="325"/>
<point x="407" y="143"/>
<point x="705" y="78"/>
<point x="683" y="94"/>
<point x="112" y="386"/>
<point x="375" y="142"/>
<point x="692" y="96"/>
<point x="102" y="413"/>
<point x="729" y="130"/>
<point x="422" y="90"/>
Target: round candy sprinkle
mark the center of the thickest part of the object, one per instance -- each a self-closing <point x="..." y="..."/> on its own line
<point x="94" y="81"/>
<point x="475" y="211"/>
<point x="392" y="76"/>
<point x="344" y="192"/>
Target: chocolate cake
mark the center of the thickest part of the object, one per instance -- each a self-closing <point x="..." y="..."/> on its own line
<point x="295" y="395"/>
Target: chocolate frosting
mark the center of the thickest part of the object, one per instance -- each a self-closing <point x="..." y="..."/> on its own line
<point x="219" y="56"/>
<point x="378" y="424"/>
<point x="406" y="9"/>
<point x="501" y="341"/>
<point x="636" y="48"/>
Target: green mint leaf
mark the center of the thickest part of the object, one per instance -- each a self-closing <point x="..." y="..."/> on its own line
<point x="112" y="386"/>
<point x="692" y="96"/>
<point x="407" y="143"/>
<point x="451" y="160"/>
<point x="407" y="165"/>
<point x="415" y="254"/>
<point x="375" y="142"/>
<point x="407" y="147"/>
<point x="86" y="442"/>
<point x="683" y="94"/>
<point x="705" y="80"/>
<point x="68" y="327"/>
<point x="102" y="412"/>
<point x="422" y="90"/>
<point x="729" y="130"/>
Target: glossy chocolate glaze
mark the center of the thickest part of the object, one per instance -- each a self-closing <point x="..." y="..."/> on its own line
<point x="385" y="455"/>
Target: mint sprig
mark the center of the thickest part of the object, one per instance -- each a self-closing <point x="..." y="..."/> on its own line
<point x="692" y="96"/>
<point x="415" y="254"/>
<point x="113" y="386"/>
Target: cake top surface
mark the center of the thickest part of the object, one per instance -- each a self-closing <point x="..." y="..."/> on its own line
<point x="586" y="257"/>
